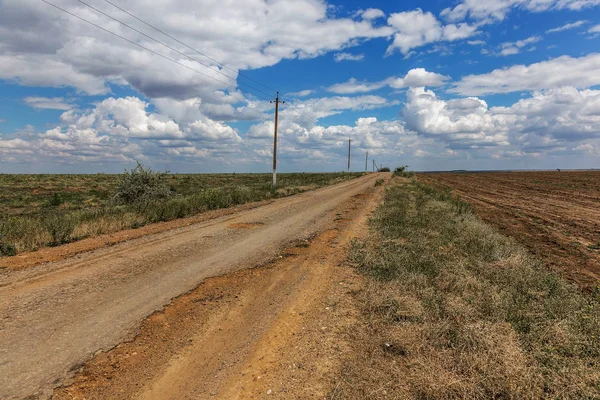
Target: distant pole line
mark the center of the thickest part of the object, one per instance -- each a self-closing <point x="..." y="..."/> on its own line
<point x="366" y="161"/>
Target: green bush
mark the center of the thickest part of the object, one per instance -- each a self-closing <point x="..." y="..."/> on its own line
<point x="56" y="200"/>
<point x="400" y="170"/>
<point x="384" y="169"/>
<point x="60" y="227"/>
<point x="7" y="249"/>
<point x="141" y="186"/>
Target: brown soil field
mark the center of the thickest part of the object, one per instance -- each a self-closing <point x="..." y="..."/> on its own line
<point x="555" y="214"/>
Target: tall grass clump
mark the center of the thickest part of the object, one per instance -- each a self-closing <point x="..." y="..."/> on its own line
<point x="453" y="309"/>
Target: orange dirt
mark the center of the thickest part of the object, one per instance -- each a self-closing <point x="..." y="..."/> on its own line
<point x="555" y="214"/>
<point x="270" y="331"/>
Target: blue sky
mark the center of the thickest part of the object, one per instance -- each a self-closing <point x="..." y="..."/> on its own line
<point x="436" y="85"/>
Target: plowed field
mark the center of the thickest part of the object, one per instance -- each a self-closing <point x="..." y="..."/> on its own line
<point x="555" y="214"/>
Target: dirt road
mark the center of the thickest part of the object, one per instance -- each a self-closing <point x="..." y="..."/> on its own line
<point x="56" y="316"/>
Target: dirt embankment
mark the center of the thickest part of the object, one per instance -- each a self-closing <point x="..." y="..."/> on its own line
<point x="270" y="331"/>
<point x="555" y="214"/>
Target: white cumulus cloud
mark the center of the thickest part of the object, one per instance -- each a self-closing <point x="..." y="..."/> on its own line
<point x="567" y="27"/>
<point x="582" y="72"/>
<point x="496" y="10"/>
<point x="417" y="28"/>
<point x="54" y="103"/>
<point x="414" y="77"/>
<point x="348" y="57"/>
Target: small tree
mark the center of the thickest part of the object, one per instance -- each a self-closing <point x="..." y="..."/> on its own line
<point x="384" y="169"/>
<point x="141" y="186"/>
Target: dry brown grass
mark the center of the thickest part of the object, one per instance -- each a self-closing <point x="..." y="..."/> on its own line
<point x="452" y="309"/>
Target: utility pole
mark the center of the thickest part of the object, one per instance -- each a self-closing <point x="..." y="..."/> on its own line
<point x="373" y="165"/>
<point x="367" y="162"/>
<point x="277" y="101"/>
<point x="349" y="141"/>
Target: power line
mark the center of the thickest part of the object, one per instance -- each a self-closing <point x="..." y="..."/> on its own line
<point x="171" y="48"/>
<point x="300" y="117"/>
<point x="189" y="47"/>
<point x="306" y="118"/>
<point x="136" y="44"/>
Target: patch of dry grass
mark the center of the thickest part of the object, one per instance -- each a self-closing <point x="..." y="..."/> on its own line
<point x="453" y="309"/>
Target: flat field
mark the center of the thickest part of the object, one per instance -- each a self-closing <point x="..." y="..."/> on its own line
<point x="42" y="210"/>
<point x="555" y="214"/>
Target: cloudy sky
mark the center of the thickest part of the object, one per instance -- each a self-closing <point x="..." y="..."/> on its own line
<point x="465" y="84"/>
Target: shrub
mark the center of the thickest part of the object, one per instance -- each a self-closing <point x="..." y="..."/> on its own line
<point x="384" y="169"/>
<point x="400" y="170"/>
<point x="7" y="249"/>
<point x="141" y="186"/>
<point x="60" y="227"/>
<point x="56" y="200"/>
<point x="379" y="182"/>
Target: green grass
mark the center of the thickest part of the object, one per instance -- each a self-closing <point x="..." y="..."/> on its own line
<point x="453" y="309"/>
<point x="48" y="210"/>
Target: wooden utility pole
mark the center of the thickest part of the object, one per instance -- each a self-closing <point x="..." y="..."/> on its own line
<point x="277" y="101"/>
<point x="349" y="141"/>
<point x="367" y="162"/>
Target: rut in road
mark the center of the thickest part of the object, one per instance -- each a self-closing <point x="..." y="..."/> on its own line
<point x="51" y="322"/>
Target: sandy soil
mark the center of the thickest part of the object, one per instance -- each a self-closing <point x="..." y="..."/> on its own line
<point x="56" y="316"/>
<point x="556" y="215"/>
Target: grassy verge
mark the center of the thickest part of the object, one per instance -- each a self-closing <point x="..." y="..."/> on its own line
<point x="49" y="210"/>
<point x="453" y="309"/>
